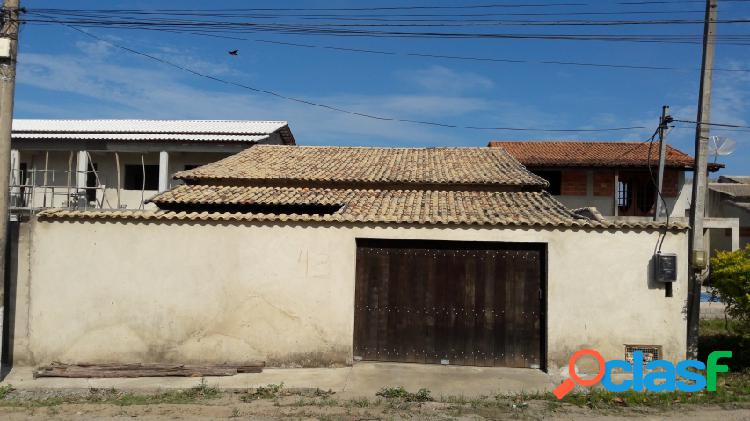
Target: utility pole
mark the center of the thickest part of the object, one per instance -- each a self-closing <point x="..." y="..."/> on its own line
<point x="697" y="257"/>
<point x="663" y="122"/>
<point x="10" y="25"/>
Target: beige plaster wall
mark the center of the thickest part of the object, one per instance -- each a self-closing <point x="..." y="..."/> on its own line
<point x="206" y="292"/>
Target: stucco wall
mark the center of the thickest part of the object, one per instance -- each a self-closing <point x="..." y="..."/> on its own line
<point x="180" y="292"/>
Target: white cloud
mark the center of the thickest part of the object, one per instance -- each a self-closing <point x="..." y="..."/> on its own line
<point x="110" y="90"/>
<point x="95" y="49"/>
<point x="443" y="79"/>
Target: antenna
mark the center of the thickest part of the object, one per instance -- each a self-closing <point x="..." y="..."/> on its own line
<point x="721" y="146"/>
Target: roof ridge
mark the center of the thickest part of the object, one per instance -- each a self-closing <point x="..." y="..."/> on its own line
<point x="152" y="119"/>
<point x="568" y="141"/>
<point x="376" y="147"/>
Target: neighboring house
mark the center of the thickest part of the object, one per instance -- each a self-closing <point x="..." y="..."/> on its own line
<point x="730" y="198"/>
<point x="119" y="163"/>
<point x="321" y="256"/>
<point x="614" y="177"/>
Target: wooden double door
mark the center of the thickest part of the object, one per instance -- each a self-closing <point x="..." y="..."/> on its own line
<point x="463" y="303"/>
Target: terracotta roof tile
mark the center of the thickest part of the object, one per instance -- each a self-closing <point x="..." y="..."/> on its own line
<point x="530" y="209"/>
<point x="389" y="205"/>
<point x="327" y="164"/>
<point x="592" y="154"/>
<point x="496" y="208"/>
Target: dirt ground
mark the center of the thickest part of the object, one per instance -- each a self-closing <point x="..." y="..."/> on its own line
<point x="237" y="405"/>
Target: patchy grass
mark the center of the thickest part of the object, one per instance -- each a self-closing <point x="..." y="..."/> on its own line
<point x="196" y="394"/>
<point x="270" y="391"/>
<point x="4" y="390"/>
<point x="731" y="388"/>
<point x="359" y="402"/>
<point x="422" y="395"/>
<point x="277" y="391"/>
<point x="716" y="335"/>
<point x="719" y="327"/>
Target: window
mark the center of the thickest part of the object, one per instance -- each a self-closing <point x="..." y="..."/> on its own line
<point x="189" y="167"/>
<point x="646" y="197"/>
<point x="134" y="177"/>
<point x="555" y="181"/>
<point x="624" y="194"/>
<point x="91" y="184"/>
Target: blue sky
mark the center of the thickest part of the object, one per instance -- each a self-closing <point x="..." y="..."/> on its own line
<point x="64" y="74"/>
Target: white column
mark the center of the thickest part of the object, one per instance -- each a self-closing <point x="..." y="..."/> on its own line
<point x="82" y="168"/>
<point x="736" y="237"/>
<point x="163" y="171"/>
<point x="15" y="177"/>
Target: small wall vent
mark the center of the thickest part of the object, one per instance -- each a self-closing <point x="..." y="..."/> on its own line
<point x="650" y="352"/>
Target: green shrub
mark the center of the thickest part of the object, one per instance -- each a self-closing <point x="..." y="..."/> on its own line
<point x="730" y="278"/>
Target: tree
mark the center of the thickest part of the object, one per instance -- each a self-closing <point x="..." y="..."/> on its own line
<point x="730" y="278"/>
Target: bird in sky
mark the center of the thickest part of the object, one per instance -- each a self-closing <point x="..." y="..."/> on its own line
<point x="234" y="52"/>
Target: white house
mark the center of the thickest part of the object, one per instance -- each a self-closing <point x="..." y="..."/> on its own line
<point x="120" y="163"/>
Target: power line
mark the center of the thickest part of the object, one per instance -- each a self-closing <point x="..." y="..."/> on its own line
<point x="269" y="15"/>
<point x="388" y="8"/>
<point x="465" y="58"/>
<point x="741" y="39"/>
<point x="429" y="23"/>
<point x="735" y="126"/>
<point x="329" y="107"/>
<point x="416" y="54"/>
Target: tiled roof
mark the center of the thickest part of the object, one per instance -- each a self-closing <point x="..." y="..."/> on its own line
<point x="593" y="154"/>
<point x="328" y="164"/>
<point x="151" y="130"/>
<point x="443" y="207"/>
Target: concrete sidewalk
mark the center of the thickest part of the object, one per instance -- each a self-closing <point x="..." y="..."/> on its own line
<point x="362" y="379"/>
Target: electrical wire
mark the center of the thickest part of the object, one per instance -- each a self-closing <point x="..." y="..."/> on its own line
<point x="366" y="30"/>
<point x="465" y="58"/>
<point x="330" y="107"/>
<point x="736" y="126"/>
<point x="662" y="126"/>
<point x="417" y="54"/>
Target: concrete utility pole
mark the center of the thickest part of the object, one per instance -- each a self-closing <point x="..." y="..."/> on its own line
<point x="697" y="257"/>
<point x="7" y="87"/>
<point x="663" y="122"/>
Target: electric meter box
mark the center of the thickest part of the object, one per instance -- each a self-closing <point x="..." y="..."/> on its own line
<point x="4" y="48"/>
<point x="665" y="267"/>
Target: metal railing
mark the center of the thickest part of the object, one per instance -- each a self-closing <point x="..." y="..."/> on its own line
<point x="34" y="190"/>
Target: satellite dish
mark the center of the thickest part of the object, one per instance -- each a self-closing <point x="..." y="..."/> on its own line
<point x="721" y="146"/>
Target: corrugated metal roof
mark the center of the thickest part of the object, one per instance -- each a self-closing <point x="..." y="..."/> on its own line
<point x="732" y="189"/>
<point x="148" y="126"/>
<point x="143" y="136"/>
<point x="151" y="130"/>
<point x="741" y="179"/>
<point x="337" y="164"/>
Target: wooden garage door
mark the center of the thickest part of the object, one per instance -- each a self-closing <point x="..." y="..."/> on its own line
<point x="464" y="303"/>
